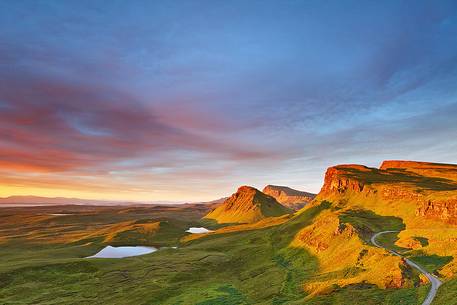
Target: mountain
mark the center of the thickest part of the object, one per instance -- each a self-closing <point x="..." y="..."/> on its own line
<point x="288" y="197"/>
<point x="247" y="205"/>
<point x="418" y="199"/>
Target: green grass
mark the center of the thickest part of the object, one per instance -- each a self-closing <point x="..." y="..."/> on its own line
<point x="367" y="223"/>
<point x="369" y="295"/>
<point x="374" y="175"/>
<point x="229" y="295"/>
<point x="447" y="294"/>
<point x="169" y="234"/>
<point x="388" y="240"/>
<point x="249" y="267"/>
<point x="431" y="263"/>
<point x="422" y="240"/>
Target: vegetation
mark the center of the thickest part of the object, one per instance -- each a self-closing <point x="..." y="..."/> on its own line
<point x="367" y="223"/>
<point x="43" y="259"/>
<point x="373" y="175"/>
<point x="247" y="205"/>
<point x="431" y="263"/>
<point x="447" y="294"/>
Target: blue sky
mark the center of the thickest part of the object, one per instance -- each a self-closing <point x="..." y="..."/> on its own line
<point x="186" y="100"/>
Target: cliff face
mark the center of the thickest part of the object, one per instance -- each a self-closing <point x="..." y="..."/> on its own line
<point x="247" y="205"/>
<point x="338" y="179"/>
<point x="431" y="187"/>
<point x="288" y="197"/>
<point x="445" y="210"/>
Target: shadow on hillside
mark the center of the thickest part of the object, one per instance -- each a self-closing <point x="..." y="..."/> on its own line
<point x="402" y="176"/>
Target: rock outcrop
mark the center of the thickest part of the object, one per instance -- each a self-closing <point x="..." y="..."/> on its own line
<point x="247" y="205"/>
<point x="430" y="187"/>
<point x="339" y="179"/>
<point x="288" y="197"/>
<point x="445" y="210"/>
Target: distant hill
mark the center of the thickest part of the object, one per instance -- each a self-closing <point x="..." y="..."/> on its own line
<point x="288" y="197"/>
<point x="247" y="205"/>
<point x="43" y="201"/>
<point x="213" y="203"/>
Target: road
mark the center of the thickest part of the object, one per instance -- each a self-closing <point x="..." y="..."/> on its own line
<point x="436" y="283"/>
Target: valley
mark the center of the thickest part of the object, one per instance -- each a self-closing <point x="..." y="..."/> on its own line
<point x="249" y="249"/>
<point x="201" y="152"/>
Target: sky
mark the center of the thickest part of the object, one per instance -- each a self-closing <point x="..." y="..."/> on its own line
<point x="187" y="100"/>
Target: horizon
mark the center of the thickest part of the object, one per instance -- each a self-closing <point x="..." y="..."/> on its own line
<point x="201" y="201"/>
<point x="186" y="101"/>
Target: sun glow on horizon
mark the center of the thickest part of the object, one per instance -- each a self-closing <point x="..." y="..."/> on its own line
<point x="126" y="196"/>
<point x="144" y="101"/>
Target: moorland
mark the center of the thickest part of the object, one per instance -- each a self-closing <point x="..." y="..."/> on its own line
<point x="258" y="251"/>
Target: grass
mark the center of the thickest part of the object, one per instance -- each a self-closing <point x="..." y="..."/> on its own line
<point x="422" y="240"/>
<point x="229" y="295"/>
<point x="373" y="175"/>
<point x="367" y="223"/>
<point x="245" y="267"/>
<point x="388" y="240"/>
<point x="369" y="295"/>
<point x="235" y="268"/>
<point x="431" y="263"/>
<point x="447" y="294"/>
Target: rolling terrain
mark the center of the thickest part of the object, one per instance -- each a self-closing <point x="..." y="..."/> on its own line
<point x="258" y="253"/>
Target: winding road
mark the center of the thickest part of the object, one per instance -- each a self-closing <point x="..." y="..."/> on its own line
<point x="436" y="283"/>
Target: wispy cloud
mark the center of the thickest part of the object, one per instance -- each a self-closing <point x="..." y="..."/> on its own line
<point x="190" y="99"/>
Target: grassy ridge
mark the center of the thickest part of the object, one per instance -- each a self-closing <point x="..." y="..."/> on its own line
<point x="373" y="175"/>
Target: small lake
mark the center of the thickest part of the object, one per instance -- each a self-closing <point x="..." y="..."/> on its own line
<point x="195" y="230"/>
<point x="120" y="252"/>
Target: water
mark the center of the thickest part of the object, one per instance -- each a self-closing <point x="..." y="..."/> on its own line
<point x="120" y="252"/>
<point x="195" y="230"/>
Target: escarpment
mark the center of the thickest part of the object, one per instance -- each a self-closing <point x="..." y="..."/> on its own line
<point x="431" y="188"/>
<point x="338" y="179"/>
<point x="445" y="210"/>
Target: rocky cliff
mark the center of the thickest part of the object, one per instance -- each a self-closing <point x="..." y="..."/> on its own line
<point x="445" y="210"/>
<point x="288" y="197"/>
<point x="430" y="187"/>
<point x="339" y="179"/>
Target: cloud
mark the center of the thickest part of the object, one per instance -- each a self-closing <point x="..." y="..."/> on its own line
<point x="174" y="96"/>
<point x="54" y="125"/>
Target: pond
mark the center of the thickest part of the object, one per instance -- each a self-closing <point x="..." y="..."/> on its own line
<point x="199" y="230"/>
<point x="120" y="252"/>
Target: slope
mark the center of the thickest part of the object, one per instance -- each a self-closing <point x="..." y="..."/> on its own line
<point x="247" y="205"/>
